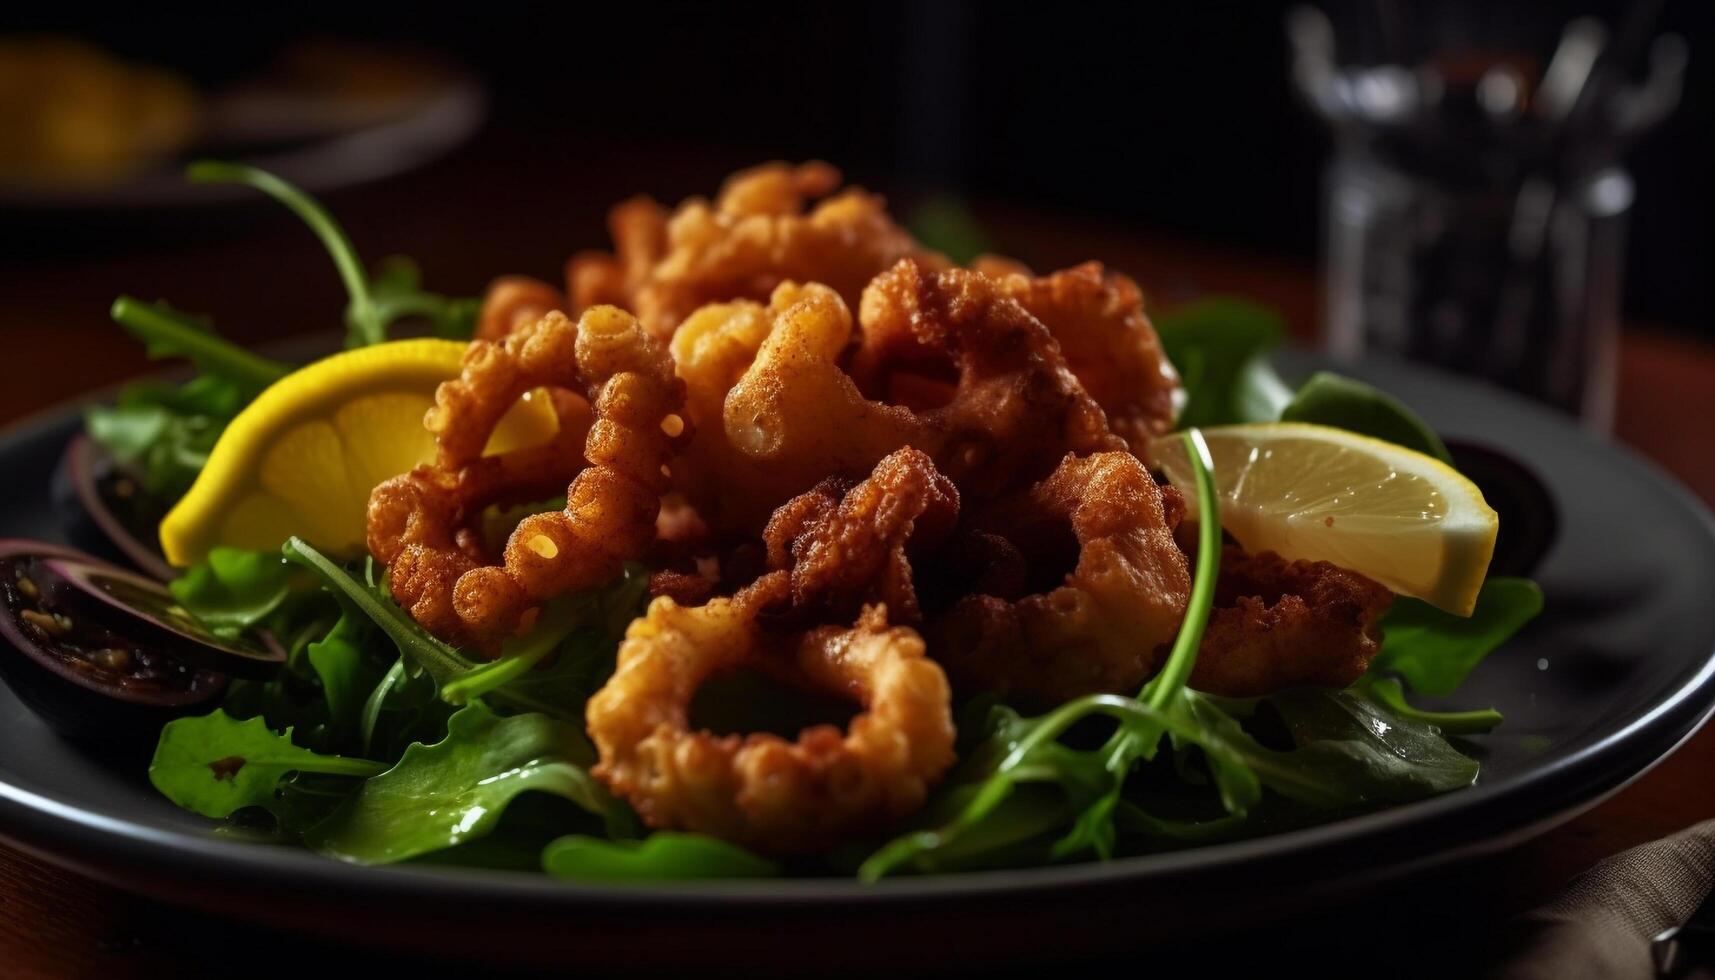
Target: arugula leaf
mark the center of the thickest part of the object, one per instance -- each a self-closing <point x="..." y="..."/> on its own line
<point x="441" y="661"/>
<point x="347" y="674"/>
<point x="215" y="764"/>
<point x="374" y="305"/>
<point x="1435" y="650"/>
<point x="661" y="856"/>
<point x="397" y="293"/>
<point x="441" y="795"/>
<point x="166" y="332"/>
<point x="1344" y="403"/>
<point x="1352" y="751"/>
<point x="1220" y="346"/>
<point x="161" y="433"/>
<point x="234" y="590"/>
<point x="1390" y="694"/>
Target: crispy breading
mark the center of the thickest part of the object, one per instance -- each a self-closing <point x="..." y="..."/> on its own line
<point x="759" y="232"/>
<point x="847" y="546"/>
<point x="1097" y="316"/>
<point x="760" y="790"/>
<point x="1279" y="624"/>
<point x="421" y="523"/>
<point x="1106" y="627"/>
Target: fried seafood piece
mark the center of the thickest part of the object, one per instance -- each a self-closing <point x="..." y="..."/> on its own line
<point x="790" y="415"/>
<point x="760" y="790"/>
<point x="1014" y="408"/>
<point x="513" y="303"/>
<point x="1097" y="316"/>
<point x="1106" y="625"/>
<point x="421" y="524"/>
<point x="759" y="232"/>
<point x="773" y="412"/>
<point x="1279" y="624"/>
<point x="848" y="545"/>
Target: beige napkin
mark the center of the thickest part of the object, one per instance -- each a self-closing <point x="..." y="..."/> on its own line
<point x="1602" y="925"/>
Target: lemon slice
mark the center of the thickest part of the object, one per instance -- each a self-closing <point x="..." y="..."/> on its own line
<point x="1311" y="492"/>
<point x="302" y="458"/>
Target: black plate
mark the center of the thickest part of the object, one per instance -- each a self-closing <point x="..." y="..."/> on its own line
<point x="1617" y="673"/>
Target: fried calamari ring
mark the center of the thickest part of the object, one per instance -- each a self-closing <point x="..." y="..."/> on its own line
<point x="760" y="790"/>
<point x="756" y="235"/>
<point x="419" y="524"/>
<point x="515" y="302"/>
<point x="846" y="545"/>
<point x="1015" y="408"/>
<point x="1106" y="627"/>
<point x="1109" y="343"/>
<point x="1280" y="624"/>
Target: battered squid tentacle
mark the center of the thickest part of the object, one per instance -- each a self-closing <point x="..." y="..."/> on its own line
<point x="1106" y="627"/>
<point x="1109" y="343"/>
<point x="420" y="523"/>
<point x="513" y="303"/>
<point x="848" y="544"/>
<point x="760" y="790"/>
<point x="759" y="232"/>
<point x="1281" y="624"/>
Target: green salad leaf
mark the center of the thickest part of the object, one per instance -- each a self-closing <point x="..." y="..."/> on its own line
<point x="162" y="433"/>
<point x="215" y="765"/>
<point x="1220" y="346"/>
<point x="662" y="856"/>
<point x="234" y="590"/>
<point x="347" y="673"/>
<point x="1334" y="400"/>
<point x="1434" y="651"/>
<point x="441" y="795"/>
<point x="166" y="332"/>
<point x="1351" y="751"/>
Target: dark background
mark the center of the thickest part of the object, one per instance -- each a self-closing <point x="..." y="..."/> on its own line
<point x="1176" y="117"/>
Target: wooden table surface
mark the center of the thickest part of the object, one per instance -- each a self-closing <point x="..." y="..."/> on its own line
<point x="263" y="277"/>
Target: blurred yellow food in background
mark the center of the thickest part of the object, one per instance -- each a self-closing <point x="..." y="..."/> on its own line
<point x="71" y="113"/>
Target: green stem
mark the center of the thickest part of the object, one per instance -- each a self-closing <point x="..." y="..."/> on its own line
<point x="378" y="698"/>
<point x="1392" y="696"/>
<point x="361" y="318"/>
<point x="443" y="663"/>
<point x="1166" y="685"/>
<point x="518" y="655"/>
<point x="155" y="324"/>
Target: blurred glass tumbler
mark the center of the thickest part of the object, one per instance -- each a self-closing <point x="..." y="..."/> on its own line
<point x="1476" y="210"/>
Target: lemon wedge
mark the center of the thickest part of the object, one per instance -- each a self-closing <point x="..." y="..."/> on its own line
<point x="302" y="458"/>
<point x="1312" y="492"/>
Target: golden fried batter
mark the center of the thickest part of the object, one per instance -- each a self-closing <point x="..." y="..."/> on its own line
<point x="847" y="545"/>
<point x="772" y="410"/>
<point x="1109" y="344"/>
<point x="515" y="302"/>
<point x="420" y="523"/>
<point x="1106" y="627"/>
<point x="1280" y="624"/>
<point x="760" y="790"/>
<point x="789" y="415"/>
<point x="755" y="236"/>
<point x="1015" y="408"/>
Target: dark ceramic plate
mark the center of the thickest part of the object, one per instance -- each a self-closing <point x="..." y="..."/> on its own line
<point x="1617" y="672"/>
